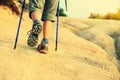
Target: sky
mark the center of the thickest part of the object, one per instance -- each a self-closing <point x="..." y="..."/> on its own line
<point x="83" y="8"/>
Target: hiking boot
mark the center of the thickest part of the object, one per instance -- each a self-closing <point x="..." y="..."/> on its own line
<point x="33" y="36"/>
<point x="32" y="39"/>
<point x="43" y="47"/>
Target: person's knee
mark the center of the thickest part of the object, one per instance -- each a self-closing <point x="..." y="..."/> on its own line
<point x="35" y="5"/>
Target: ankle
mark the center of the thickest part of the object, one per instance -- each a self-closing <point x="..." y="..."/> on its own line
<point x="36" y="22"/>
<point x="45" y="41"/>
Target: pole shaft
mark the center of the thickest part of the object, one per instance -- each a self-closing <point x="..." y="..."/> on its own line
<point x="18" y="30"/>
<point x="57" y="25"/>
<point x="66" y="4"/>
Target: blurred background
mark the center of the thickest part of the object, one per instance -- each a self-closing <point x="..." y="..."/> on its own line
<point x="92" y="8"/>
<point x="95" y="9"/>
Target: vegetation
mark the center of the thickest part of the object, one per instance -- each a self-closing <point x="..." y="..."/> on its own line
<point x="115" y="16"/>
<point x="11" y="5"/>
<point x="61" y="13"/>
<point x="14" y="8"/>
<point x="26" y="5"/>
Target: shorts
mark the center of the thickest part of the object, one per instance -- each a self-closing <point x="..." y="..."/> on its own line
<point x="47" y="7"/>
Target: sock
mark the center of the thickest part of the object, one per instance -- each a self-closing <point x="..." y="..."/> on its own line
<point x="36" y="22"/>
<point x="45" y="41"/>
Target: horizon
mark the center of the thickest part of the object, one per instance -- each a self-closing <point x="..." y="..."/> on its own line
<point x="83" y="8"/>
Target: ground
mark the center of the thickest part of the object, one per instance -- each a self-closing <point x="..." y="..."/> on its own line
<point x="86" y="50"/>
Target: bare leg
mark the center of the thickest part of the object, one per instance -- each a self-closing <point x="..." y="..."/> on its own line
<point x="36" y="29"/>
<point x="35" y="15"/>
<point x="48" y="16"/>
<point x="43" y="48"/>
<point x="46" y="24"/>
<point x="46" y="29"/>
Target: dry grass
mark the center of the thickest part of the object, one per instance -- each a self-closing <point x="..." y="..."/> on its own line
<point x="11" y="5"/>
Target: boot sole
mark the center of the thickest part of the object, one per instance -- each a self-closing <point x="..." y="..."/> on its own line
<point x="37" y="29"/>
<point x="32" y="41"/>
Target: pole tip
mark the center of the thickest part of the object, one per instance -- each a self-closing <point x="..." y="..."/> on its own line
<point x="56" y="49"/>
<point x="14" y="47"/>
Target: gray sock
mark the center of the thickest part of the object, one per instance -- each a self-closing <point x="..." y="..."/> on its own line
<point x="36" y="22"/>
<point x="45" y="41"/>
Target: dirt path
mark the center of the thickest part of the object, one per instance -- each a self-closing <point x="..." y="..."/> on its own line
<point x="76" y="58"/>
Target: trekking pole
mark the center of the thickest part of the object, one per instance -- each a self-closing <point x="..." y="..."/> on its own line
<point x="57" y="25"/>
<point x="23" y="5"/>
<point x="66" y="4"/>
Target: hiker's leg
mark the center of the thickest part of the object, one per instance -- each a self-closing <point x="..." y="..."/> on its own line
<point x="48" y="17"/>
<point x="35" y="8"/>
<point x="35" y="15"/>
<point x="43" y="46"/>
<point x="46" y="29"/>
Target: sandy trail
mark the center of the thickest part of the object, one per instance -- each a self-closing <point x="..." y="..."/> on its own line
<point x="76" y="58"/>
